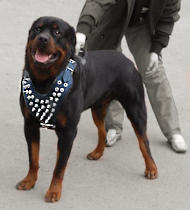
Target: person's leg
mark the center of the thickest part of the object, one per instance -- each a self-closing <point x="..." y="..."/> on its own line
<point x="114" y="120"/>
<point x="157" y="85"/>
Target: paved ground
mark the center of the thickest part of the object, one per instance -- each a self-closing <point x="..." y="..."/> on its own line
<point x="116" y="181"/>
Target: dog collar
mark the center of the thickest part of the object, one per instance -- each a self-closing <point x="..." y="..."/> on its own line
<point x="45" y="106"/>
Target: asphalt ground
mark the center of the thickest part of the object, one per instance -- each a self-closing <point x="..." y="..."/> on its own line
<point x="116" y="181"/>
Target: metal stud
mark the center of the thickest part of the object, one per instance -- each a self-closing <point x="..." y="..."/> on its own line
<point x="31" y="103"/>
<point x="36" y="105"/>
<point x="59" y="82"/>
<point x="28" y="97"/>
<point x="32" y="97"/>
<point x="59" y="94"/>
<point x="52" y="110"/>
<point x="48" y="106"/>
<point x="47" y="110"/>
<point x="37" y="100"/>
<point x="47" y="120"/>
<point x="24" y="82"/>
<point x="43" y="115"/>
<point x="56" y="89"/>
<point x="43" y="107"/>
<point x="41" y="118"/>
<point x="46" y="101"/>
<point x="54" y="94"/>
<point x="33" y="109"/>
<point x="30" y="91"/>
<point x="51" y="98"/>
<point x="56" y="99"/>
<point x="65" y="84"/>
<point x="61" y="90"/>
<point x="42" y="102"/>
<point x="26" y="86"/>
<point x="39" y="110"/>
<point x="37" y="114"/>
<point x="54" y="104"/>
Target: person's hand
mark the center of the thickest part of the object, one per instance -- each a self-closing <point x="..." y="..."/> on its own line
<point x="153" y="63"/>
<point x="80" y="42"/>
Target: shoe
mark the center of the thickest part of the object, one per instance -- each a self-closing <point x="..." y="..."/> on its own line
<point x="178" y="143"/>
<point x="111" y="137"/>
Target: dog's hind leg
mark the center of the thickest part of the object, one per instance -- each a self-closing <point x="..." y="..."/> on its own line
<point x="134" y="105"/>
<point x="137" y="115"/>
<point x="98" y="115"/>
<point x="32" y="134"/>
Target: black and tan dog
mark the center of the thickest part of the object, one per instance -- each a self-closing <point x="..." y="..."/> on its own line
<point x="107" y="75"/>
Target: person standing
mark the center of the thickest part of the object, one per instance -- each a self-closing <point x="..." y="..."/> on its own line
<point x="147" y="26"/>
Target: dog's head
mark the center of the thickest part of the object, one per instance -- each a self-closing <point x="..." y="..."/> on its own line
<point x="51" y="42"/>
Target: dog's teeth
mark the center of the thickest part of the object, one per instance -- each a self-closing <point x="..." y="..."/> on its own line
<point x="50" y="56"/>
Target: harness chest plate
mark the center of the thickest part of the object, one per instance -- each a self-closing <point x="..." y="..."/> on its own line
<point x="45" y="106"/>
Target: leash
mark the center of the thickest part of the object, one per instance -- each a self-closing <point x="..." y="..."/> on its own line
<point x="45" y="106"/>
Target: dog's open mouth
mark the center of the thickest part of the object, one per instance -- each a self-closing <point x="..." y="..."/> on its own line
<point x="44" y="58"/>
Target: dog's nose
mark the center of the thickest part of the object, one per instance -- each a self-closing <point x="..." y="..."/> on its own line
<point x="43" y="39"/>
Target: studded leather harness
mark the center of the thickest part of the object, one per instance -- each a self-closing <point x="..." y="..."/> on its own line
<point x="45" y="106"/>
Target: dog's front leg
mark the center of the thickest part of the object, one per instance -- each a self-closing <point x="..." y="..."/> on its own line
<point x="32" y="134"/>
<point x="64" y="146"/>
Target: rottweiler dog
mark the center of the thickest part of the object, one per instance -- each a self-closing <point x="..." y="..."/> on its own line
<point x="51" y="69"/>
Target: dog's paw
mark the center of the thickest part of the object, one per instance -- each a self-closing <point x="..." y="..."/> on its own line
<point x="151" y="173"/>
<point x="25" y="184"/>
<point x="52" y="196"/>
<point x="94" y="155"/>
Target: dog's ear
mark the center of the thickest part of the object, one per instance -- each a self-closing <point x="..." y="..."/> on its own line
<point x="71" y="38"/>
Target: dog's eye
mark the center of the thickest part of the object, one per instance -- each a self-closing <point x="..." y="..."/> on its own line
<point x="38" y="29"/>
<point x="57" y="33"/>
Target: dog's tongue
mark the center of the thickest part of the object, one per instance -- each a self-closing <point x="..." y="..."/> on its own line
<point x="41" y="57"/>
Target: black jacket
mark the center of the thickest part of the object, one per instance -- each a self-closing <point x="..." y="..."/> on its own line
<point x="105" y="22"/>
